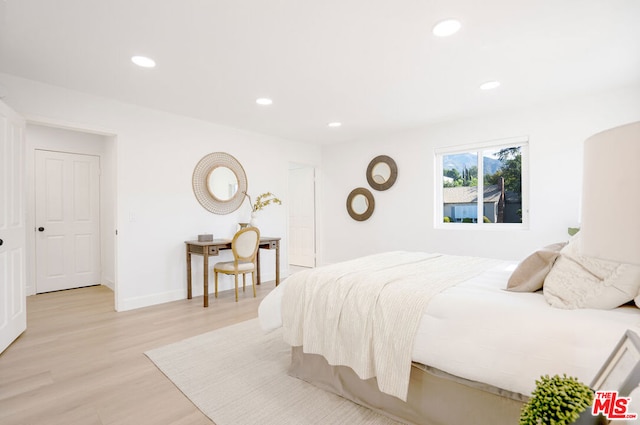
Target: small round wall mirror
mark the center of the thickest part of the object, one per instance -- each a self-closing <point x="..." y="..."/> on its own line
<point x="222" y="183"/>
<point x="382" y="172"/>
<point x="219" y="183"/>
<point x="360" y="204"/>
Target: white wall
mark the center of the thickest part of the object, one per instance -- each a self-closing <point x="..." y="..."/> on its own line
<point x="155" y="153"/>
<point x="63" y="140"/>
<point x="404" y="214"/>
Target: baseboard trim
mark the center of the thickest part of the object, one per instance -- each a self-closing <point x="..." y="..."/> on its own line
<point x="149" y="300"/>
<point x="109" y="284"/>
<point x="165" y="297"/>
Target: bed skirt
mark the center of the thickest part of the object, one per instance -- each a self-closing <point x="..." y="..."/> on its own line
<point x="435" y="398"/>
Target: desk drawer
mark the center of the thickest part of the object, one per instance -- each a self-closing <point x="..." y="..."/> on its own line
<point x="214" y="250"/>
<point x="269" y="245"/>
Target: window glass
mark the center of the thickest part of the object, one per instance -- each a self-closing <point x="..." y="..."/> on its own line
<point x="503" y="184"/>
<point x="460" y="187"/>
<point x="497" y="197"/>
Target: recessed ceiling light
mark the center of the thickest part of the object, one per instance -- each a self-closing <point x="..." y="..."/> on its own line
<point x="490" y="85"/>
<point x="264" y="101"/>
<point x="334" y="124"/>
<point x="143" y="61"/>
<point x="446" y="28"/>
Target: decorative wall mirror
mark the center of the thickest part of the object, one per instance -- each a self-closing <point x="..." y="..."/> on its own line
<point x="219" y="183"/>
<point x="360" y="204"/>
<point x="382" y="172"/>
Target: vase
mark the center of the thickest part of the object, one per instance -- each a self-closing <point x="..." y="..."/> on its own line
<point x="254" y="219"/>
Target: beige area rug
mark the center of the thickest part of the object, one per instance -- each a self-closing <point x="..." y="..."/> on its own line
<point x="238" y="376"/>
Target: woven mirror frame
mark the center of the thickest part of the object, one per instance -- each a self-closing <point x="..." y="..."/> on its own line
<point x="201" y="184"/>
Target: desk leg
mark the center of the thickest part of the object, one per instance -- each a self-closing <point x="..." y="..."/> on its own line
<point x="258" y="266"/>
<point x="277" y="262"/>
<point x="205" y="261"/>
<point x="189" y="294"/>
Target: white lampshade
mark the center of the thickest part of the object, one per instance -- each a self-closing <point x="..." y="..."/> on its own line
<point x="611" y="195"/>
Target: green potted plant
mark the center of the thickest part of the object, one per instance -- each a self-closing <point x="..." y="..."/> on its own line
<point x="559" y="400"/>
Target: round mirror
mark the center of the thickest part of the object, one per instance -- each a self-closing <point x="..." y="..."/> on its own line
<point x="360" y="204"/>
<point x="222" y="183"/>
<point x="219" y="183"/>
<point x="382" y="172"/>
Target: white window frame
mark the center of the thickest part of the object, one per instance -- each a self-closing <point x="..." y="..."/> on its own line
<point x="439" y="153"/>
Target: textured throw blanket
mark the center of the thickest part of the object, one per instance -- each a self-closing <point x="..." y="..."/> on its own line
<point x="364" y="313"/>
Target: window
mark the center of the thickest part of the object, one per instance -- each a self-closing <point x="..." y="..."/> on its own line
<point x="483" y="184"/>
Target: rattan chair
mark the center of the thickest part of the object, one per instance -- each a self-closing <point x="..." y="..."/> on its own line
<point x="244" y="246"/>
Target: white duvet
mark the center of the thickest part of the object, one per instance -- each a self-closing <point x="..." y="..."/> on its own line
<point x="478" y="331"/>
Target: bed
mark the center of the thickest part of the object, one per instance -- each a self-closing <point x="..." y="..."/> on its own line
<point x="438" y="339"/>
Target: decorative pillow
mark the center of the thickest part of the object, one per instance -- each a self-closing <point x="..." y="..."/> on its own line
<point x="576" y="281"/>
<point x="530" y="273"/>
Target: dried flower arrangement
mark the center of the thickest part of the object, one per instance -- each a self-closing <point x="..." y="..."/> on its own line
<point x="263" y="200"/>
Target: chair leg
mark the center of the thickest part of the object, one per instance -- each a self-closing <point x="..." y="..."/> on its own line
<point x="244" y="281"/>
<point x="236" y="279"/>
<point x="253" y="282"/>
<point x="215" y="274"/>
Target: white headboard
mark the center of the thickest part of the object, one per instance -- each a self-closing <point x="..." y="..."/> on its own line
<point x="611" y="195"/>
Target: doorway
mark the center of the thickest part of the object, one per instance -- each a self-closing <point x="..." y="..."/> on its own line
<point x="78" y="159"/>
<point x="302" y="218"/>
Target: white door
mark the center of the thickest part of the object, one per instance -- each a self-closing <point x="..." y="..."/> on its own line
<point x="13" y="308"/>
<point x="67" y="220"/>
<point x="302" y="235"/>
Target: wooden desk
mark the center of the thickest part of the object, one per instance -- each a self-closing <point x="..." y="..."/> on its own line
<point x="214" y="247"/>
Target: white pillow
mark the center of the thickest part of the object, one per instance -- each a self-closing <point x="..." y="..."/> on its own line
<point x="576" y="281"/>
<point x="530" y="274"/>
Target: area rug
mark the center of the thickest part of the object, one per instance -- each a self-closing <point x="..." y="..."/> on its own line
<point x="238" y="376"/>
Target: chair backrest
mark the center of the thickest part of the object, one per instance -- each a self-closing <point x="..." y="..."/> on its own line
<point x="245" y="243"/>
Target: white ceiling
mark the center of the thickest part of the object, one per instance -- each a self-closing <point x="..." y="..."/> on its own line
<point x="371" y="64"/>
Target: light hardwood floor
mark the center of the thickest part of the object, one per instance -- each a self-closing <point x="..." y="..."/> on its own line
<point x="81" y="363"/>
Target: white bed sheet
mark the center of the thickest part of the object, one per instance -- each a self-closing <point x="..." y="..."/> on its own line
<point x="478" y="331"/>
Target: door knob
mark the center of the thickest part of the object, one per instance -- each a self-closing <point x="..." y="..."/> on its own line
<point x="40" y="229"/>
